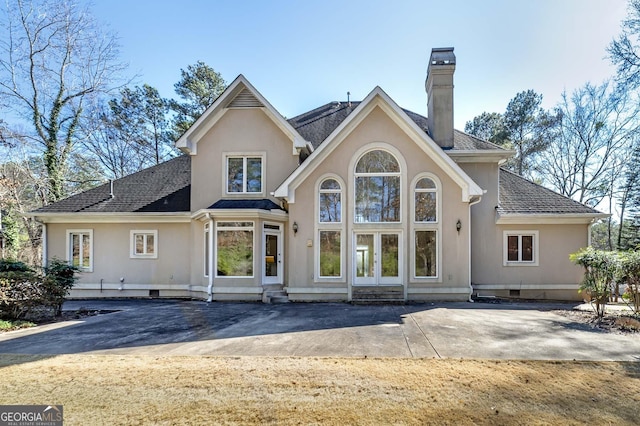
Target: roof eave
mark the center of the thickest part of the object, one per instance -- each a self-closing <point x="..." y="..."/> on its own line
<point x="548" y="218"/>
<point x="109" y="217"/>
<point x="203" y="214"/>
<point x="480" y="156"/>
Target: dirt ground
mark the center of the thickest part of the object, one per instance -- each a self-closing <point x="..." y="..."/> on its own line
<point x="133" y="390"/>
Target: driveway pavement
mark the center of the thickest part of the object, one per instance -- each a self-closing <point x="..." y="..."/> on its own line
<point x="440" y="330"/>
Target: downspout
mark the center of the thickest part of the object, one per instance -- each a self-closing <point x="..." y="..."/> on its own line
<point x="45" y="255"/>
<point x="471" y="203"/>
<point x="210" y="259"/>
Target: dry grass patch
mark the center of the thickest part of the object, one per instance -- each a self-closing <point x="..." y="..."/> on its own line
<point x="109" y="389"/>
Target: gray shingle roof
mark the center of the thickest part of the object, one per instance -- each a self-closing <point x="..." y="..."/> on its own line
<point x="261" y="204"/>
<point x="520" y="196"/>
<point x="317" y="124"/>
<point x="162" y="188"/>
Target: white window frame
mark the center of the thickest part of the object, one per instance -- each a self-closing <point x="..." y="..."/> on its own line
<point x="234" y="228"/>
<point x="520" y="234"/>
<point x="244" y="156"/>
<point x="329" y="226"/>
<point x="69" y="248"/>
<point x="132" y="244"/>
<point x="435" y="226"/>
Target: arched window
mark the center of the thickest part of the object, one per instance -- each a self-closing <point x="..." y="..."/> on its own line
<point x="377" y="188"/>
<point x="426" y="200"/>
<point x="330" y="202"/>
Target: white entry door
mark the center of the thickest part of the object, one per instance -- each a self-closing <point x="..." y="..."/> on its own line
<point x="377" y="258"/>
<point x="272" y="254"/>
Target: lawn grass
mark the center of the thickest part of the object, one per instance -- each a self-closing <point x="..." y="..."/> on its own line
<point x="9" y="325"/>
<point x="112" y="389"/>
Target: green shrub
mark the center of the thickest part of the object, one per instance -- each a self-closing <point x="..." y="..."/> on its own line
<point x="629" y="272"/>
<point x="25" y="293"/>
<point x="600" y="271"/>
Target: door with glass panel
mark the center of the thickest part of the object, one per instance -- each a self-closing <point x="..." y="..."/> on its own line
<point x="272" y="264"/>
<point x="377" y="258"/>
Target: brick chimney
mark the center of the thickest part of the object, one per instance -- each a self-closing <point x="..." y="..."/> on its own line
<point x="439" y="86"/>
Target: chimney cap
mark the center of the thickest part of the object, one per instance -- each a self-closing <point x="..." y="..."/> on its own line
<point x="442" y="56"/>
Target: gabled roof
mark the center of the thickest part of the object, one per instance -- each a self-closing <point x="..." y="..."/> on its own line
<point x="239" y="94"/>
<point x="162" y="188"/>
<point x="315" y="124"/>
<point x="520" y="198"/>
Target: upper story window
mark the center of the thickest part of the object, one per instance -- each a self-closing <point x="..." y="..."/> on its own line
<point x="330" y="202"/>
<point x="426" y="201"/>
<point x="244" y="174"/>
<point x="377" y="188"/>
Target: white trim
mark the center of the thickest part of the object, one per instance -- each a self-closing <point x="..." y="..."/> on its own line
<point x="244" y="155"/>
<point x="520" y="234"/>
<point x="188" y="142"/>
<point x="325" y="279"/>
<point x="438" y="290"/>
<point x="112" y="217"/>
<point x="377" y="279"/>
<point x="319" y="191"/>
<point x="237" y="290"/>
<point x="379" y="98"/>
<point x="518" y="286"/>
<point x="69" y="256"/>
<point x="278" y="233"/>
<point x="316" y="290"/>
<point x="232" y="215"/>
<point x="480" y="156"/>
<point x="206" y="233"/>
<point x="549" y="218"/>
<point x="329" y="226"/>
<point x="132" y="243"/>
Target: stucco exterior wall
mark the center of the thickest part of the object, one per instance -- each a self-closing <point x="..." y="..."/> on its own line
<point x="379" y="131"/>
<point x="169" y="272"/>
<point x="239" y="131"/>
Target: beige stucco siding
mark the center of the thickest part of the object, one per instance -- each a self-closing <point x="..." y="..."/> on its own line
<point x="378" y="131"/>
<point x="239" y="131"/>
<point x="169" y="272"/>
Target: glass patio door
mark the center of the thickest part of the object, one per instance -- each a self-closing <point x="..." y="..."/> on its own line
<point x="272" y="262"/>
<point x="377" y="258"/>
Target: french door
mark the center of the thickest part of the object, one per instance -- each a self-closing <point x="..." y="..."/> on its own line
<point x="377" y="259"/>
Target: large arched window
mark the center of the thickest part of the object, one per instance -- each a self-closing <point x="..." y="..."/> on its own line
<point x="377" y="188"/>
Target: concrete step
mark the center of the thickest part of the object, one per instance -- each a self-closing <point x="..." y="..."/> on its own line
<point x="377" y="294"/>
<point x="274" y="293"/>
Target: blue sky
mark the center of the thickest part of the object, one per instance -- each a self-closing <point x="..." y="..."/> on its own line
<point x="302" y="54"/>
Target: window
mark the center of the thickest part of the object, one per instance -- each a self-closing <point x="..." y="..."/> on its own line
<point x="330" y="254"/>
<point x="144" y="244"/>
<point x="377" y="188"/>
<point x="330" y="206"/>
<point x="80" y="248"/>
<point x="521" y="248"/>
<point x="425" y="254"/>
<point x="244" y="174"/>
<point x="206" y="249"/>
<point x="426" y="201"/>
<point x="234" y="249"/>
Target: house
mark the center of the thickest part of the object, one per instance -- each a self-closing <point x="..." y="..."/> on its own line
<point x="350" y="201"/>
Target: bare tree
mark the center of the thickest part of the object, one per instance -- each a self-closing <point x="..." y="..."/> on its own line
<point x="624" y="51"/>
<point x="597" y="127"/>
<point x="53" y="58"/>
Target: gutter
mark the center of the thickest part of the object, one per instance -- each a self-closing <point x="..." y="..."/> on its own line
<point x="474" y="201"/>
<point x="210" y="259"/>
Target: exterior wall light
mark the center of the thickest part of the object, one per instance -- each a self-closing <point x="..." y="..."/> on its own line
<point x="458" y="226"/>
<point x="295" y="227"/>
